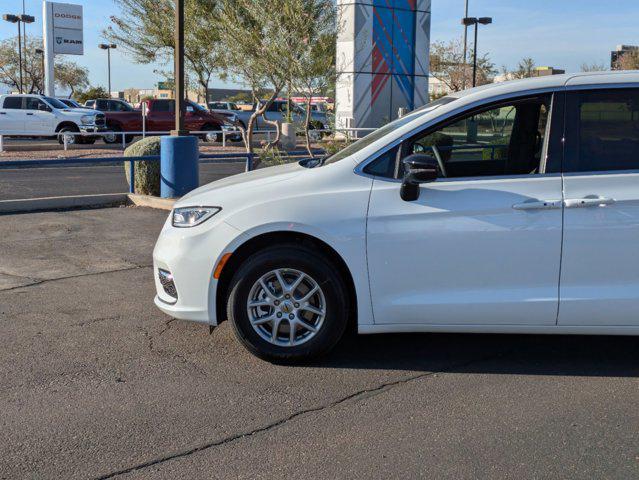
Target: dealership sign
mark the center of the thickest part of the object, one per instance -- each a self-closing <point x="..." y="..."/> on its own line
<point x="66" y="22"/>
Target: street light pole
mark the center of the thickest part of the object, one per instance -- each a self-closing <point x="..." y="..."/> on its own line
<point x="20" y="57"/>
<point x="179" y="69"/>
<point x="467" y="21"/>
<point x="465" y="44"/>
<point x="475" y="58"/>
<point x="108" y="48"/>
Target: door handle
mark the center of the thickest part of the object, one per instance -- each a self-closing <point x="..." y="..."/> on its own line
<point x="3" y="113"/>
<point x="589" y="202"/>
<point x="29" y="113"/>
<point x="538" y="205"/>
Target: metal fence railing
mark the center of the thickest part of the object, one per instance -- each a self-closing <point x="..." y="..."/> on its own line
<point x="228" y="157"/>
<point x="68" y="138"/>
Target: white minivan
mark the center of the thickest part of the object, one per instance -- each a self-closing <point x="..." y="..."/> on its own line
<point x="508" y="208"/>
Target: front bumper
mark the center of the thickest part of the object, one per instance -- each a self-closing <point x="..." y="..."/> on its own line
<point x="190" y="255"/>
<point x="92" y="129"/>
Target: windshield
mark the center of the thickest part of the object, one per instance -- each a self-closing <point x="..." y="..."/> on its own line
<point x="55" y="103"/>
<point x="196" y="106"/>
<point x="385" y="130"/>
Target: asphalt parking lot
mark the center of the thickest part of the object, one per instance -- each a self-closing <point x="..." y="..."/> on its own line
<point x="95" y="382"/>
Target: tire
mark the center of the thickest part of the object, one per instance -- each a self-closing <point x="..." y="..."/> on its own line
<point x="290" y="261"/>
<point x="110" y="140"/>
<point x="71" y="139"/>
<point x="210" y="137"/>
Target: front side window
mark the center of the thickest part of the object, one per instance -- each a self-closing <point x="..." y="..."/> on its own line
<point x="602" y="131"/>
<point x="12" y="103"/>
<point x="386" y="130"/>
<point x="507" y="139"/>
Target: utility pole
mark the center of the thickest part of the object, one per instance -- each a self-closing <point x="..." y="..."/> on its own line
<point x="465" y="46"/>
<point x="108" y="47"/>
<point x="467" y="21"/>
<point x="179" y="70"/>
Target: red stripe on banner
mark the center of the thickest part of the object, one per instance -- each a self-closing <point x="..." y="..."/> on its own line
<point x="381" y="88"/>
<point x="378" y="77"/>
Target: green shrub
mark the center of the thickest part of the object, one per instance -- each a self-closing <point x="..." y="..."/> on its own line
<point x="270" y="157"/>
<point x="501" y="151"/>
<point x="147" y="174"/>
<point x="332" y="145"/>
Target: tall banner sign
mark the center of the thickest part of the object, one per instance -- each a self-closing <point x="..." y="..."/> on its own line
<point x="382" y="60"/>
<point x="63" y="34"/>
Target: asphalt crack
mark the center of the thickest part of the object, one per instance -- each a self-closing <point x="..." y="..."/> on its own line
<point x="359" y="395"/>
<point x="80" y="275"/>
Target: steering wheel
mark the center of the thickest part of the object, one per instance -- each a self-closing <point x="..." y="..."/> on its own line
<point x="439" y="160"/>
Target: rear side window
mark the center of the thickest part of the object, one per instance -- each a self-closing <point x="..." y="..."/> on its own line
<point x="13" y="103"/>
<point x="602" y="131"/>
<point x="164" y="106"/>
<point x="34" y="103"/>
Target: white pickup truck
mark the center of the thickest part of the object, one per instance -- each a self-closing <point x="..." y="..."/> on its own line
<point x="41" y="116"/>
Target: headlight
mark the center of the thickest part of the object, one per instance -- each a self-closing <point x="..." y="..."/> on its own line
<point x="87" y="119"/>
<point x="192" y="216"/>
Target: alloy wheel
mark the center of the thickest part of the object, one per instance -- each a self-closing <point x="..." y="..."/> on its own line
<point x="286" y="307"/>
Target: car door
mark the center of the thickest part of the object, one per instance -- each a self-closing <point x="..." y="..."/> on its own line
<point x="162" y="115"/>
<point x="12" y="115"/>
<point x="600" y="264"/>
<point x="481" y="245"/>
<point x="39" y="117"/>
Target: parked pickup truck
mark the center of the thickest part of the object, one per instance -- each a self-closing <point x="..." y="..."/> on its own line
<point x="161" y="118"/>
<point x="41" y="116"/>
<point x="276" y="112"/>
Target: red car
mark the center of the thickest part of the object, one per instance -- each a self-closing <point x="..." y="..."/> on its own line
<point x="160" y="117"/>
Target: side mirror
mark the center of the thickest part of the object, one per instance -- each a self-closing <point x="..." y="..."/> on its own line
<point x="42" y="107"/>
<point x="418" y="168"/>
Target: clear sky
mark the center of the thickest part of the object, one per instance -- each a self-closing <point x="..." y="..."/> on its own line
<point x="559" y="33"/>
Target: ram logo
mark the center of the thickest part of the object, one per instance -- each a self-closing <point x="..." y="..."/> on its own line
<point x="58" y="40"/>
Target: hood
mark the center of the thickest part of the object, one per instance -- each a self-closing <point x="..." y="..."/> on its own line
<point x="83" y="110"/>
<point x="80" y="111"/>
<point x="241" y="185"/>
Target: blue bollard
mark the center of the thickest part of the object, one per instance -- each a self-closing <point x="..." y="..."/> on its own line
<point x="178" y="166"/>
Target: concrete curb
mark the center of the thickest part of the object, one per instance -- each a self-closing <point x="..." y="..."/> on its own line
<point x="151" y="202"/>
<point x="84" y="201"/>
<point x="58" y="203"/>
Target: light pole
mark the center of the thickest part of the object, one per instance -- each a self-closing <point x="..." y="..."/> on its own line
<point x="40" y="52"/>
<point x="16" y="19"/>
<point x="179" y="69"/>
<point x="465" y="43"/>
<point x="467" y="21"/>
<point x="108" y="47"/>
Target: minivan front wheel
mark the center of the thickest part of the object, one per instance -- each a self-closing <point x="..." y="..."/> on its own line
<point x="288" y="304"/>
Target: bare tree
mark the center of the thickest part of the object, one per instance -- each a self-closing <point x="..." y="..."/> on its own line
<point x="628" y="61"/>
<point x="68" y="74"/>
<point x="593" y="67"/>
<point x="525" y="68"/>
<point x="145" y="30"/>
<point x="313" y="70"/>
<point x="447" y="65"/>
<point x="262" y="42"/>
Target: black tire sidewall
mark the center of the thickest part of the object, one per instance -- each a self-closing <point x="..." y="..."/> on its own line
<point x="63" y="130"/>
<point x="315" y="265"/>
